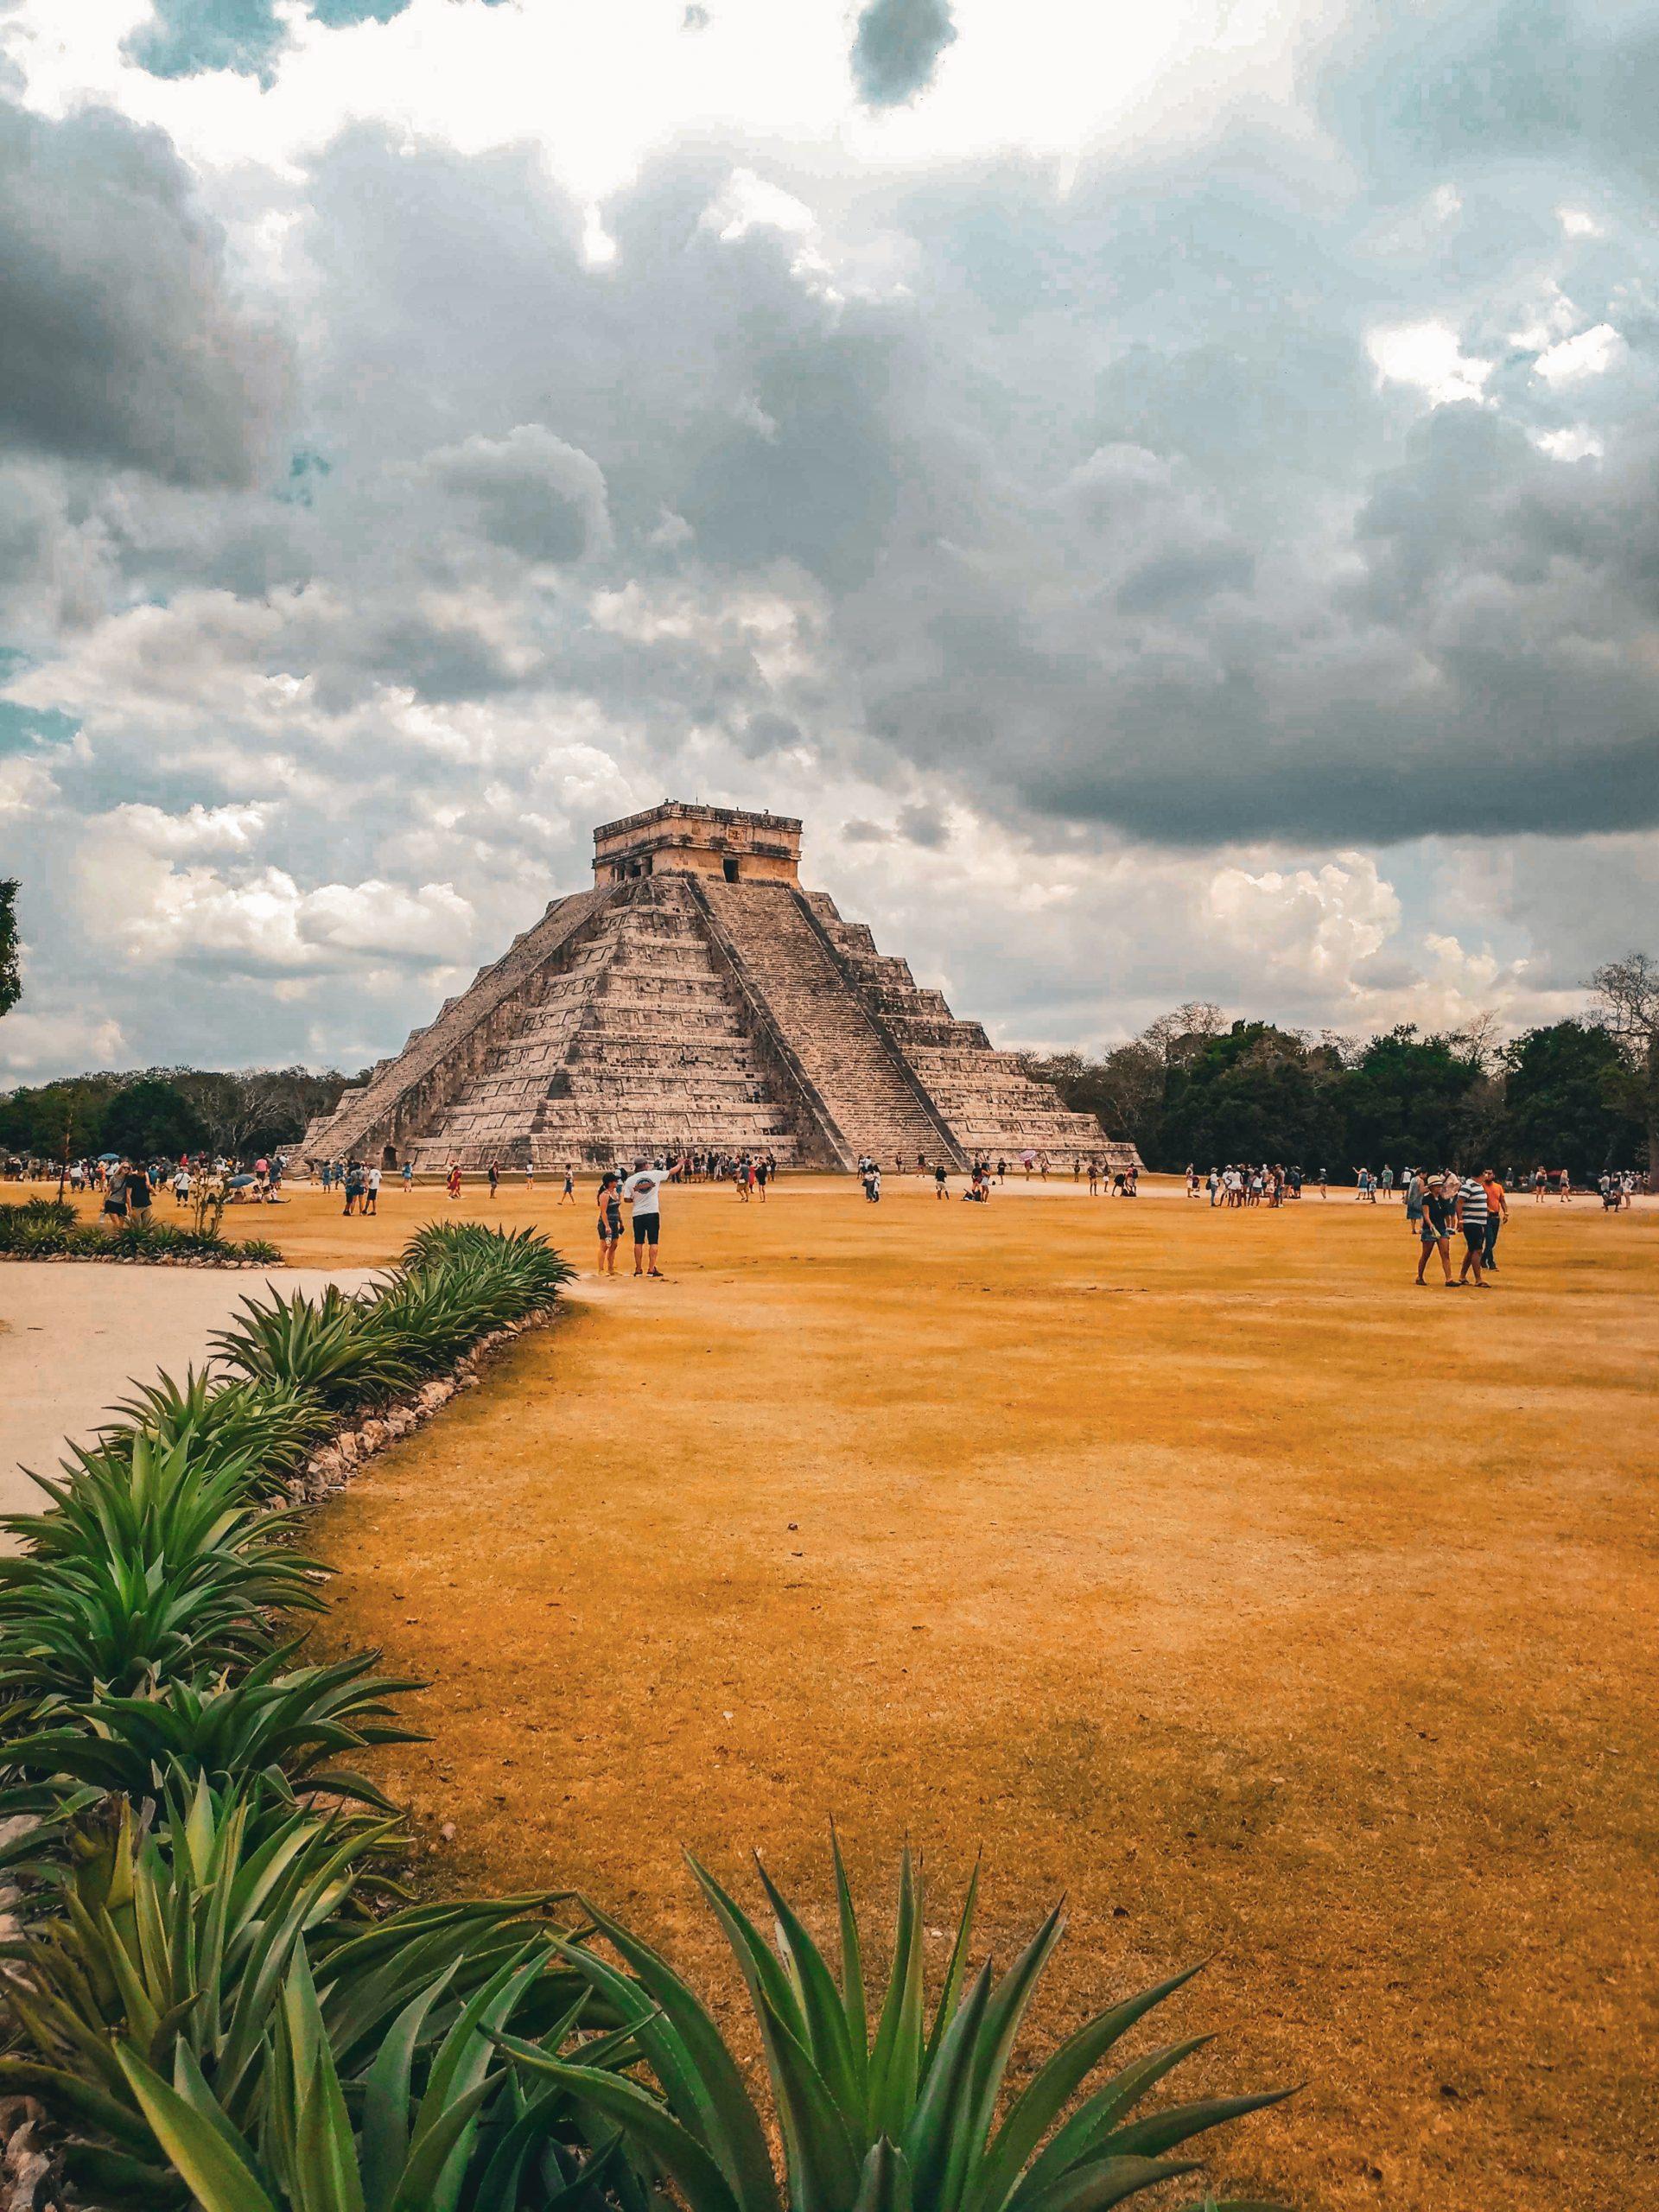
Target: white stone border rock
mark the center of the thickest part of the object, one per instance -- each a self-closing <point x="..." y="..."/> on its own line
<point x="354" y="1445"/>
<point x="131" y="1260"/>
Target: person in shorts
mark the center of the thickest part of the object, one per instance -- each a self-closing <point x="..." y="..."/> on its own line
<point x="138" y="1194"/>
<point x="115" y="1199"/>
<point x="1472" y="1220"/>
<point x="1439" y="1212"/>
<point x="609" y="1222"/>
<point x="643" y="1192"/>
<point x="372" y="1191"/>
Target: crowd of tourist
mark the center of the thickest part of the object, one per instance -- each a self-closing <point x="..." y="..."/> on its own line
<point x="127" y="1187"/>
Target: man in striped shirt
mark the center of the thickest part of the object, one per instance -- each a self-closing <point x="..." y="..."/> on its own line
<point x="1472" y="1208"/>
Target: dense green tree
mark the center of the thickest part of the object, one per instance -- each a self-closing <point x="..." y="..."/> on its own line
<point x="41" y="1118"/>
<point x="1256" y="1093"/>
<point x="1563" y="1102"/>
<point x="163" y="1111"/>
<point x="1412" y="1100"/>
<point x="151" y="1119"/>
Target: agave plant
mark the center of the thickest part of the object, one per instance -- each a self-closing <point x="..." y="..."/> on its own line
<point x="152" y="1561"/>
<point x="524" y="1256"/>
<point x="286" y="1723"/>
<point x="270" y="1427"/>
<point x="38" y="1225"/>
<point x="426" y="1320"/>
<point x="465" y="2134"/>
<point x="324" y="1345"/>
<point x="906" y="2119"/>
<point x="179" y="1944"/>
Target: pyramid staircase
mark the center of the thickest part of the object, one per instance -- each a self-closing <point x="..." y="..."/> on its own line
<point x="698" y="999"/>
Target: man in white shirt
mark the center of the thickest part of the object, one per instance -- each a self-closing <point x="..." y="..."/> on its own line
<point x="643" y="1192"/>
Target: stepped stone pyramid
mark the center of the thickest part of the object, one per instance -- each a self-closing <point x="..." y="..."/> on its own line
<point x="696" y="997"/>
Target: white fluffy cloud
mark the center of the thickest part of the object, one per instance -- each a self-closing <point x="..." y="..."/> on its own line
<point x="1171" y="503"/>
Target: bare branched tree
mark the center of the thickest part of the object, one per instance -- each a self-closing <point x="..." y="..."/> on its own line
<point x="1627" y="1005"/>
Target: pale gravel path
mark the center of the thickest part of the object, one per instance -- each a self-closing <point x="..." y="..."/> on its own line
<point x="73" y="1337"/>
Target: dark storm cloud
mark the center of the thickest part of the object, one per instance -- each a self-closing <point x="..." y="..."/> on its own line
<point x="897" y="46"/>
<point x="1171" y="558"/>
<point x="119" y="341"/>
<point x="1094" y="508"/>
<point x="534" y="495"/>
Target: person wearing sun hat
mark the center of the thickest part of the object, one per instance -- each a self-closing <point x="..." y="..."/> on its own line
<point x="1440" y="1210"/>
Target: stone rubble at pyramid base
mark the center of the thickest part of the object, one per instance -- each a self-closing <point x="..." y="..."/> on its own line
<point x="672" y="1008"/>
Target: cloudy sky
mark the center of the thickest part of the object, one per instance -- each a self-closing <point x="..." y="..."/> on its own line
<point x="1170" y="495"/>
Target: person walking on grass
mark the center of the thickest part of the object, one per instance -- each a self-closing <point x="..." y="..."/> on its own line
<point x="568" y="1195"/>
<point x="407" y="1172"/>
<point x="1472" y="1220"/>
<point x="451" y="1181"/>
<point x="1497" y="1212"/>
<point x="1439" y="1212"/>
<point x="643" y="1192"/>
<point x="493" y="1173"/>
<point x="609" y="1219"/>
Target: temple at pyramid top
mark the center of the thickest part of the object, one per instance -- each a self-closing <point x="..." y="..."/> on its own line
<point x="697" y="998"/>
<point x="677" y="839"/>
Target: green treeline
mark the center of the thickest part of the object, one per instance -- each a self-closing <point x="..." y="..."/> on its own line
<point x="1193" y="1089"/>
<point x="162" y="1112"/>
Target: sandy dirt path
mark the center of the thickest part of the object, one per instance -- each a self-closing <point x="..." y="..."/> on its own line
<point x="73" y="1337"/>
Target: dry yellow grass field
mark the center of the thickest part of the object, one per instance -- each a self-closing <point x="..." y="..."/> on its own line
<point x="1193" y="1564"/>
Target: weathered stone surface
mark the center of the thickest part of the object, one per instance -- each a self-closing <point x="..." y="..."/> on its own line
<point x="698" y="999"/>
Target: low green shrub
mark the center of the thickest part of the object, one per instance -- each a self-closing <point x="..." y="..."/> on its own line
<point x="523" y="1257"/>
<point x="176" y="1943"/>
<point x="327" y="1347"/>
<point x="917" y="2115"/>
<point x="44" y="1229"/>
<point x="287" y="1722"/>
<point x="453" y="2131"/>
<point x="272" y="1428"/>
<point x="154" y="1560"/>
<point x="33" y="1218"/>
